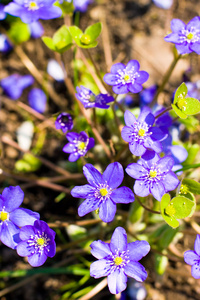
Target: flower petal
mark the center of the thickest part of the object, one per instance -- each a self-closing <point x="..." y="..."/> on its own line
<point x="157" y="190"/>
<point x="138" y="249"/>
<point x="127" y="134"/>
<point x="122" y="195"/>
<point x="93" y="176"/>
<point x="117" y="67"/>
<point x="110" y="79"/>
<point x="82" y="191"/>
<point x="117" y="281"/>
<point x="191" y="257"/>
<point x="50" y="250"/>
<point x="177" y="25"/>
<point x="100" y="249"/>
<point x="141" y="188"/>
<point x="26" y="232"/>
<point x="171" y="181"/>
<point x="37" y="259"/>
<point x="23" y="249"/>
<point x="100" y="268"/>
<point x="135" y="170"/>
<point x="133" y="65"/>
<point x="136" y="271"/>
<point x="118" y="240"/>
<point x="165" y="164"/>
<point x="146" y="116"/>
<point x="195" y="271"/>
<point x="107" y="210"/>
<point x="129" y="118"/>
<point x="23" y="216"/>
<point x="90" y="204"/>
<point x="197" y="244"/>
<point x="120" y="89"/>
<point x="113" y="175"/>
<point x="13" y="197"/>
<point x="9" y="234"/>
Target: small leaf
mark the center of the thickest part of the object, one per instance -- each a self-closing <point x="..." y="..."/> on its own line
<point x="76" y="33"/>
<point x="49" y="42"/>
<point x="192" y="185"/>
<point x="181" y="92"/>
<point x="179" y="112"/>
<point x="192" y="107"/>
<point x="165" y="201"/>
<point x="182" y="207"/>
<point x="62" y="38"/>
<point x="19" y="32"/>
<point x="94" y="31"/>
<point x="161" y="263"/>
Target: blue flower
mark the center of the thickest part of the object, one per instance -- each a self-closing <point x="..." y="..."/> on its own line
<point x="165" y="4"/>
<point x="31" y="10"/>
<point x="147" y="95"/>
<point x="126" y="79"/>
<point x="64" y="122"/>
<point x="140" y="134"/>
<point x="153" y="175"/>
<point x="119" y="259"/>
<point x="90" y="100"/>
<point x="192" y="258"/>
<point x="12" y="217"/>
<point x="5" y="45"/>
<point x="102" y="192"/>
<point x="79" y="144"/>
<point x="36" y="29"/>
<point x="37" y="243"/>
<point x="37" y="100"/>
<point x="193" y="89"/>
<point x="81" y="5"/>
<point x="14" y="85"/>
<point x="2" y="12"/>
<point x="185" y="37"/>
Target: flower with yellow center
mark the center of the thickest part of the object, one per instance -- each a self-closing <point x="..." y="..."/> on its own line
<point x="141" y="132"/>
<point x="153" y="173"/>
<point x="126" y="77"/>
<point x="3" y="216"/>
<point x="103" y="192"/>
<point x="190" y="36"/>
<point x="118" y="260"/>
<point x="81" y="146"/>
<point x="33" y="5"/>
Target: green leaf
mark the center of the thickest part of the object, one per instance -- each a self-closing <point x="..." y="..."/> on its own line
<point x="181" y="92"/>
<point x="192" y="185"/>
<point x="19" y="32"/>
<point x="161" y="263"/>
<point x="170" y="220"/>
<point x="49" y="42"/>
<point x="62" y="39"/>
<point x="94" y="31"/>
<point x="76" y="33"/>
<point x="192" y="107"/>
<point x="181" y="207"/>
<point x="28" y="163"/>
<point x="192" y="150"/>
<point x="179" y="112"/>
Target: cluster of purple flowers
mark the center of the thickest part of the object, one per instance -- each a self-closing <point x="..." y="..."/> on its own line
<point x="22" y="230"/>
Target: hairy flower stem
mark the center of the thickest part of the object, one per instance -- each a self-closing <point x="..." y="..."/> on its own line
<point x="148" y="209"/>
<point x="163" y="112"/>
<point x="166" y="78"/>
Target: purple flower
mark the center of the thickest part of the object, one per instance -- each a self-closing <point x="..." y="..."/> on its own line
<point x="192" y="258"/>
<point x="140" y="134"/>
<point x="64" y="122"/>
<point x="153" y="175"/>
<point x="37" y="243"/>
<point x="37" y="100"/>
<point x="193" y="89"/>
<point x="55" y="70"/>
<point x="102" y="192"/>
<point x="2" y="12"/>
<point x="126" y="78"/>
<point x="185" y="37"/>
<point x="165" y="4"/>
<point x="5" y="45"/>
<point x="12" y="217"/>
<point x="90" y="100"/>
<point x="79" y="144"/>
<point x="81" y="5"/>
<point x="31" y="10"/>
<point x="147" y="95"/>
<point x="14" y="85"/>
<point x="119" y="259"/>
<point x="36" y="29"/>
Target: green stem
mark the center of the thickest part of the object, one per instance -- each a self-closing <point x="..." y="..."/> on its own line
<point x="166" y="78"/>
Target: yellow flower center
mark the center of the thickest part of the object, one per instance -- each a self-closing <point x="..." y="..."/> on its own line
<point x="170" y="210"/>
<point x="141" y="132"/>
<point x="33" y="5"/>
<point x="190" y="36"/>
<point x="103" y="192"/>
<point x="40" y="241"/>
<point x="184" y="189"/>
<point x="181" y="103"/>
<point x="81" y="146"/>
<point x="126" y="77"/>
<point x="85" y="39"/>
<point x="118" y="260"/>
<point x="3" y="216"/>
<point x="153" y="173"/>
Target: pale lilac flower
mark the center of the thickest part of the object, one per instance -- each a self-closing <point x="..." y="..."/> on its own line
<point x="102" y="192"/>
<point x="64" y="122"/>
<point x="193" y="258"/>
<point x="37" y="243"/>
<point x="119" y="259"/>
